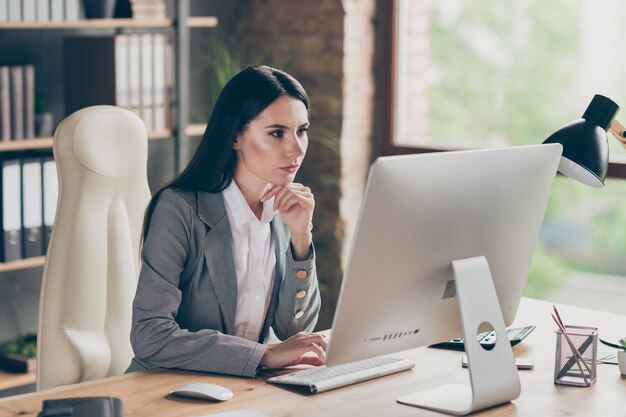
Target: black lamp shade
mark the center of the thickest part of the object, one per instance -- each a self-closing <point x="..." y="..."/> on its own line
<point x="585" y="146"/>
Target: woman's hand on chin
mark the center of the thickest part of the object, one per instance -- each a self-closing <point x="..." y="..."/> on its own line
<point x="295" y="204"/>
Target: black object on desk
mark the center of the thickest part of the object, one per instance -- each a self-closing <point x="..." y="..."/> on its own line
<point x="487" y="339"/>
<point x="83" y="407"/>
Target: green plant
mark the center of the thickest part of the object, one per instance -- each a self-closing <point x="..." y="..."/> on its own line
<point x="226" y="55"/>
<point x="622" y="343"/>
<point x="23" y="345"/>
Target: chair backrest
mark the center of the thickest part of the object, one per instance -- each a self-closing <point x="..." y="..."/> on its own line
<point x="92" y="264"/>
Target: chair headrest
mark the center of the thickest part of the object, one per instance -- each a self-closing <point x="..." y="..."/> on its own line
<point x="107" y="140"/>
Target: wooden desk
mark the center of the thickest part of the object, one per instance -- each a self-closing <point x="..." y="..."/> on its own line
<point x="145" y="393"/>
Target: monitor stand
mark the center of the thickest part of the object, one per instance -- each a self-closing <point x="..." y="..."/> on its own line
<point x="493" y="375"/>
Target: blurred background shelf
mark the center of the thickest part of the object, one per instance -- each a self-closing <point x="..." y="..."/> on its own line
<point x="22" y="264"/>
<point x="11" y="380"/>
<point x="46" y="142"/>
<point x="195" y="129"/>
<point x="26" y="144"/>
<point x="194" y="22"/>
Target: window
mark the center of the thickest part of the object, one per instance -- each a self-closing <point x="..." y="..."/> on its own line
<point x="470" y="73"/>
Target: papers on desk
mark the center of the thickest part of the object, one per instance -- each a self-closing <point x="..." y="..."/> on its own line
<point x="611" y="359"/>
<point x="247" y="412"/>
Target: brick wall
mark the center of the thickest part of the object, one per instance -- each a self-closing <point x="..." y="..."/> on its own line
<point x="358" y="110"/>
<point x="325" y="44"/>
<point x="413" y="69"/>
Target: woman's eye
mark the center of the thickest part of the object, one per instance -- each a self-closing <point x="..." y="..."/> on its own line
<point x="302" y="131"/>
<point x="278" y="134"/>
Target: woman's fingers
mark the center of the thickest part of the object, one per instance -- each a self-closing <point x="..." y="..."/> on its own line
<point x="271" y="192"/>
<point x="307" y="342"/>
<point x="302" y="348"/>
<point x="316" y="338"/>
<point x="311" y="360"/>
<point x="280" y="191"/>
<point x="288" y="197"/>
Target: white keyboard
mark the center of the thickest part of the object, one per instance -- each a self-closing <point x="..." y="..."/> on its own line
<point x="324" y="378"/>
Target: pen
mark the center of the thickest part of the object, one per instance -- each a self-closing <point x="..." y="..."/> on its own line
<point x="576" y="357"/>
<point x="572" y="360"/>
<point x="577" y="354"/>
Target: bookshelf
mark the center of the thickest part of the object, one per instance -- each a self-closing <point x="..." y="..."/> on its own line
<point x="180" y="24"/>
<point x="26" y="144"/>
<point x="89" y="24"/>
<point x="193" y="22"/>
<point x="22" y="264"/>
<point x="178" y="27"/>
<point x="46" y="142"/>
<point x="11" y="380"/>
<point x="195" y="129"/>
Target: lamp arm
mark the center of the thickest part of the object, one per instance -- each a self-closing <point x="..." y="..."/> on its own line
<point x="618" y="130"/>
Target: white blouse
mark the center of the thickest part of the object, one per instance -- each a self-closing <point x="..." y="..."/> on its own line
<point x="255" y="261"/>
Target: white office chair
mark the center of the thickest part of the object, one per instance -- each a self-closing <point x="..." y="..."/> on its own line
<point x="92" y="264"/>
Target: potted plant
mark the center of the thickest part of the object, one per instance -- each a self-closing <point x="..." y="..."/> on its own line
<point x="18" y="355"/>
<point x="621" y="356"/>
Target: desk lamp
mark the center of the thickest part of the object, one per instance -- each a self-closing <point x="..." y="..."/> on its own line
<point x="585" y="146"/>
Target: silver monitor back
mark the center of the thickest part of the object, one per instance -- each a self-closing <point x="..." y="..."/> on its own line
<point x="419" y="213"/>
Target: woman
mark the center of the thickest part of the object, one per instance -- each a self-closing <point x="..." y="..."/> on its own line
<point x="227" y="251"/>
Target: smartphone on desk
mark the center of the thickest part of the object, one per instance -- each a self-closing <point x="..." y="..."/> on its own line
<point x="487" y="339"/>
<point x="521" y="363"/>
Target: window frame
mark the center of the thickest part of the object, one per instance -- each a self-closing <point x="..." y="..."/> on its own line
<point x="388" y="95"/>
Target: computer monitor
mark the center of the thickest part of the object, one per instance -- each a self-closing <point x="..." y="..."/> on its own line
<point x="443" y="244"/>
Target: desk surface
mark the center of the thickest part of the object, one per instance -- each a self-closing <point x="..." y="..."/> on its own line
<point x="145" y="393"/>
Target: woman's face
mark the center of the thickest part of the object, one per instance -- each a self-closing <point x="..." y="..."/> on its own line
<point x="273" y="145"/>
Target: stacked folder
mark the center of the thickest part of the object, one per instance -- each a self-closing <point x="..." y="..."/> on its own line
<point x="134" y="71"/>
<point x="29" y="194"/>
<point x="17" y="102"/>
<point x="39" y="10"/>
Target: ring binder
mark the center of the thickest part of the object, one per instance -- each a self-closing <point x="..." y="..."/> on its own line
<point x="32" y="195"/>
<point x="10" y="210"/>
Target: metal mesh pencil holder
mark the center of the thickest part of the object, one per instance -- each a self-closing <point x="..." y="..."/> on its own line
<point x="571" y="368"/>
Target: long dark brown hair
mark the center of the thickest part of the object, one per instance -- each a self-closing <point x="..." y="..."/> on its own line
<point x="243" y="98"/>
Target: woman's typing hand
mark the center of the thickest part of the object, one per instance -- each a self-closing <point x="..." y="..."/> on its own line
<point x="301" y="348"/>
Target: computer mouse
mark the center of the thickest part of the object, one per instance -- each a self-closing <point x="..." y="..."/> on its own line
<point x="203" y="391"/>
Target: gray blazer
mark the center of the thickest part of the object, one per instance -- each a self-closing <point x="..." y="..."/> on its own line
<point x="184" y="308"/>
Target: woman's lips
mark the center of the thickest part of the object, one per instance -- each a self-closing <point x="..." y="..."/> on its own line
<point x="290" y="168"/>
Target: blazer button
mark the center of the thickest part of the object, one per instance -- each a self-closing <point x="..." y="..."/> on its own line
<point x="301" y="274"/>
<point x="299" y="314"/>
<point x="300" y="294"/>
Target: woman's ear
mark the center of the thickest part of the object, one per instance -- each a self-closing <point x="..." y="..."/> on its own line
<point x="237" y="143"/>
